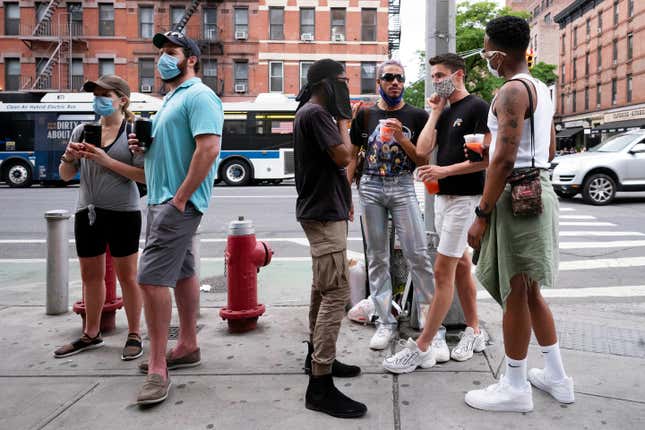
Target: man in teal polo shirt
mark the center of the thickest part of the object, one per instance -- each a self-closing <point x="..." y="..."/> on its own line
<point x="180" y="170"/>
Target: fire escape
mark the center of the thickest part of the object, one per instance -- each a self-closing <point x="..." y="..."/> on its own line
<point x="394" y="27"/>
<point x="52" y="37"/>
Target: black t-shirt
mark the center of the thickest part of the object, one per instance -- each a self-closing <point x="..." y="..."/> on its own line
<point x="323" y="191"/>
<point x="467" y="116"/>
<point x="386" y="158"/>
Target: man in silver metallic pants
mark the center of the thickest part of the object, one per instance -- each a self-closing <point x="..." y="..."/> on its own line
<point x="387" y="132"/>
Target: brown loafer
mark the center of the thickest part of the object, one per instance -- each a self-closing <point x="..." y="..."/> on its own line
<point x="189" y="360"/>
<point x="154" y="390"/>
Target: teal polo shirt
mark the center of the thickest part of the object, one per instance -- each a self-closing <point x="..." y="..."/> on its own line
<point x="188" y="111"/>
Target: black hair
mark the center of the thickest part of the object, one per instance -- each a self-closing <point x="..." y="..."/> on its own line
<point x="189" y="53"/>
<point x="453" y="61"/>
<point x="510" y="33"/>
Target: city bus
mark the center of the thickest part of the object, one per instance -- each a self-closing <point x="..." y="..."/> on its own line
<point x="257" y="141"/>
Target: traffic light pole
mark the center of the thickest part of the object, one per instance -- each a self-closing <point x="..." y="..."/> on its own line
<point x="440" y="38"/>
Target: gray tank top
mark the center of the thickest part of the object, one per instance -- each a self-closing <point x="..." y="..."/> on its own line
<point x="101" y="187"/>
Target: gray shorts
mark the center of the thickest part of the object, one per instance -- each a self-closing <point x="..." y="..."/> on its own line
<point x="167" y="257"/>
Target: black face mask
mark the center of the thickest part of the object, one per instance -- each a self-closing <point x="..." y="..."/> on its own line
<point x="339" y="105"/>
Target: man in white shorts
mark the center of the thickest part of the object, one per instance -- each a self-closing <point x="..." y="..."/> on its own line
<point x="461" y="182"/>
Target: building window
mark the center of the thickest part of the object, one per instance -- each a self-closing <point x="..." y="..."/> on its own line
<point x="588" y="27"/>
<point x="598" y="94"/>
<point x="614" y="91"/>
<point x="629" y="88"/>
<point x="146" y="74"/>
<point x="75" y="11"/>
<point x="547" y="18"/>
<point x="573" y="101"/>
<point x="176" y="14"/>
<point x="587" y="64"/>
<point x="337" y="24"/>
<point x="368" y="78"/>
<point x="586" y="98"/>
<point x="562" y="75"/>
<point x="210" y="74"/>
<point x="564" y="45"/>
<point x="41" y="8"/>
<point x="241" y="20"/>
<point x="12" y="74"/>
<point x="11" y="19"/>
<point x="368" y="25"/>
<point x="241" y="75"/>
<point x="575" y="69"/>
<point x="615" y="52"/>
<point x="308" y="21"/>
<point x="276" y="77"/>
<point x="616" y="12"/>
<point x="106" y="66"/>
<point x="106" y="19"/>
<point x="210" y="23"/>
<point x="599" y="60"/>
<point x="630" y="46"/>
<point x="45" y="81"/>
<point x="304" y="68"/>
<point x="561" y="103"/>
<point x="78" y="77"/>
<point x="575" y="36"/>
<point x="146" y="22"/>
<point x="630" y="8"/>
<point x="276" y="23"/>
<point x="599" y="22"/>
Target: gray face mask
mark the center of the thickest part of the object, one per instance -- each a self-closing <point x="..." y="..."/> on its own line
<point x="445" y="88"/>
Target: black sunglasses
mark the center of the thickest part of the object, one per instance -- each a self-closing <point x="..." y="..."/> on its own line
<point x="389" y="77"/>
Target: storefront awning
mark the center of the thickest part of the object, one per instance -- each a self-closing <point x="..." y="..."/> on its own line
<point x="619" y="126"/>
<point x="566" y="133"/>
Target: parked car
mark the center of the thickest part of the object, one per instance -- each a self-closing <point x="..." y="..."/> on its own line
<point x="615" y="165"/>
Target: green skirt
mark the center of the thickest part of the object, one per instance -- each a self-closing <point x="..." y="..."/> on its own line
<point x="520" y="245"/>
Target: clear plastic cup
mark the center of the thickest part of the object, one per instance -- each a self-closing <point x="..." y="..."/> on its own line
<point x="475" y="146"/>
<point x="387" y="133"/>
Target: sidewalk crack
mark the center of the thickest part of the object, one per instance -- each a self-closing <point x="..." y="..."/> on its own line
<point x="48" y="420"/>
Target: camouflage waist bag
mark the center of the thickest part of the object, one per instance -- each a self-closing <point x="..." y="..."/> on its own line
<point x="526" y="191"/>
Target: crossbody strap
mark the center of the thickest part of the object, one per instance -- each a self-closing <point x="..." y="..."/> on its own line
<point x="530" y="117"/>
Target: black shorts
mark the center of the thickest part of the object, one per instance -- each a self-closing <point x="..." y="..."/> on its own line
<point x="120" y="230"/>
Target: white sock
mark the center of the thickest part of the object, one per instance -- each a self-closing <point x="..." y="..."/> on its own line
<point x="553" y="362"/>
<point x="516" y="372"/>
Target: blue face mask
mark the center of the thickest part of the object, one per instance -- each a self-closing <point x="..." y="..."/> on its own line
<point x="168" y="67"/>
<point x="389" y="100"/>
<point x="103" y="106"/>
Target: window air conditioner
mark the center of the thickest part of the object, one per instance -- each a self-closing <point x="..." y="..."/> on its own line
<point x="241" y="35"/>
<point x="339" y="37"/>
<point x="240" y="88"/>
<point x="146" y="88"/>
<point x="307" y="37"/>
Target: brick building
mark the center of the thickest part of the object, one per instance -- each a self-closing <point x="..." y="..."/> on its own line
<point x="544" y="30"/>
<point x="600" y="66"/>
<point x="248" y="47"/>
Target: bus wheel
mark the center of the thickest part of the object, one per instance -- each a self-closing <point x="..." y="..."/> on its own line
<point x="18" y="175"/>
<point x="236" y="172"/>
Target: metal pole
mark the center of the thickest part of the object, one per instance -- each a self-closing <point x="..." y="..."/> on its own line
<point x="57" y="262"/>
<point x="440" y="38"/>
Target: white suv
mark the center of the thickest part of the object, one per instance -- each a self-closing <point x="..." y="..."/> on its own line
<point x="615" y="165"/>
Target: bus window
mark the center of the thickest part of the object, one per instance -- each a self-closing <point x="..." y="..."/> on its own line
<point x="16" y="133"/>
<point x="235" y="127"/>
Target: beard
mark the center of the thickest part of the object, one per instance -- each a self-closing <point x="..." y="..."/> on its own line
<point x="183" y="66"/>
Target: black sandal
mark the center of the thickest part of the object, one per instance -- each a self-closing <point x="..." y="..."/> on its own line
<point x="133" y="348"/>
<point x="83" y="344"/>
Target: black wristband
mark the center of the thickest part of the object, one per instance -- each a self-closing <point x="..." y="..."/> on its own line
<point x="481" y="214"/>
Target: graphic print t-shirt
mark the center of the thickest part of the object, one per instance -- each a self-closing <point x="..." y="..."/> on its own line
<point x="386" y="158"/>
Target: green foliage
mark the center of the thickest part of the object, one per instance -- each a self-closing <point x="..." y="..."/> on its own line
<point x="415" y="93"/>
<point x="545" y="72"/>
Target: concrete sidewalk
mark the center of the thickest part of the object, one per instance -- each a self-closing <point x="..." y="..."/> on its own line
<point x="256" y="381"/>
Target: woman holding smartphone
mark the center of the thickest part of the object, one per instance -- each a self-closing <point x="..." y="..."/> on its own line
<point x="108" y="212"/>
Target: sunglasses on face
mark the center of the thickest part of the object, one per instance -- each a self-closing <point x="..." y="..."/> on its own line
<point x="174" y="34"/>
<point x="389" y="77"/>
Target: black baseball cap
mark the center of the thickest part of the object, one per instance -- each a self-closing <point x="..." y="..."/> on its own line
<point x="176" y="38"/>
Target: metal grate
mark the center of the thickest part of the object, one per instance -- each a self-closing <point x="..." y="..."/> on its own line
<point x="173" y="331"/>
<point x="289" y="162"/>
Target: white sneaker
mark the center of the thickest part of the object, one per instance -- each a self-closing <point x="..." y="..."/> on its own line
<point x="440" y="349"/>
<point x="382" y="337"/>
<point x="562" y="390"/>
<point x="469" y="343"/>
<point x="501" y="397"/>
<point x="409" y="358"/>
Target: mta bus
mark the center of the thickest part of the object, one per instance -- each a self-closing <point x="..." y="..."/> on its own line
<point x="257" y="141"/>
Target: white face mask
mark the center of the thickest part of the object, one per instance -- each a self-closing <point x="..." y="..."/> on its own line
<point x="492" y="71"/>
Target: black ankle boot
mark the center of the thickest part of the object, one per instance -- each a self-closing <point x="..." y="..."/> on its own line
<point x="323" y="396"/>
<point x="338" y="369"/>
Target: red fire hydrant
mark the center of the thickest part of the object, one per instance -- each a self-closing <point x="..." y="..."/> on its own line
<point x="112" y="302"/>
<point x="244" y="257"/>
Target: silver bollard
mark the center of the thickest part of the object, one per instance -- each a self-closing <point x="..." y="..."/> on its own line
<point x="57" y="262"/>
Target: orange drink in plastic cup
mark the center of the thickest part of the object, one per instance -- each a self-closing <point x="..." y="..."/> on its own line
<point x="432" y="186"/>
<point x="386" y="132"/>
<point x="475" y="146"/>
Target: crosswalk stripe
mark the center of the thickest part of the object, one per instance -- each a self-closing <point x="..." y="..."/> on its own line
<point x="616" y="291"/>
<point x="600" y="233"/>
<point x="567" y="209"/>
<point x="577" y="217"/>
<point x="587" y="224"/>
<point x="609" y="244"/>
<point x="602" y="263"/>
